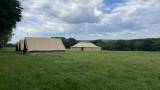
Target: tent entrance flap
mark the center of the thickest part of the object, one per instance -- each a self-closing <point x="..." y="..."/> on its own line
<point x="82" y="48"/>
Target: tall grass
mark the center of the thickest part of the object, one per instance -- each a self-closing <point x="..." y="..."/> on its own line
<point x="107" y="70"/>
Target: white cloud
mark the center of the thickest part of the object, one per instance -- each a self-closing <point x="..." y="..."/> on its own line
<point x="86" y="19"/>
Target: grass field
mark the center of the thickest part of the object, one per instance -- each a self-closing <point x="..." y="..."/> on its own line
<point x="107" y="70"/>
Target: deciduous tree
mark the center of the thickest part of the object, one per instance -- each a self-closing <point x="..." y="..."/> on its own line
<point x="10" y="14"/>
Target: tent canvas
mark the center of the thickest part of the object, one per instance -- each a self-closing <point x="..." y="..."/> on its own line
<point x="21" y="45"/>
<point x="85" y="46"/>
<point x="17" y="46"/>
<point x="35" y="44"/>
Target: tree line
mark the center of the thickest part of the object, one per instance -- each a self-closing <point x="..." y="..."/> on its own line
<point x="152" y="44"/>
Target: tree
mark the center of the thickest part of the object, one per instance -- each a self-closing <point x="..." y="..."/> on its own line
<point x="10" y="14"/>
<point x="68" y="42"/>
<point x="72" y="41"/>
<point x="121" y="45"/>
<point x="131" y="45"/>
<point x="156" y="46"/>
<point x="150" y="44"/>
<point x="147" y="45"/>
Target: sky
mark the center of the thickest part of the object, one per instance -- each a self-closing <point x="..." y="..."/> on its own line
<point x="89" y="19"/>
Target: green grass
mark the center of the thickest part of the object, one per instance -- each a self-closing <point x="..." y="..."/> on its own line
<point x="110" y="70"/>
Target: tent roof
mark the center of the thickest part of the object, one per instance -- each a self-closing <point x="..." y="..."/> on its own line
<point x="84" y="44"/>
<point x="43" y="44"/>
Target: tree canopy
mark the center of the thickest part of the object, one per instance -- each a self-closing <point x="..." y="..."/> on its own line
<point x="10" y="14"/>
<point x="130" y="45"/>
<point x="68" y="42"/>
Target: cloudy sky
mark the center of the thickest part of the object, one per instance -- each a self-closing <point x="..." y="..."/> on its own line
<point x="89" y="19"/>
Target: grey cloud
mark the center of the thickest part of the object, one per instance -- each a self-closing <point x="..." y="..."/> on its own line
<point x="69" y="11"/>
<point x="84" y="19"/>
<point x="135" y="15"/>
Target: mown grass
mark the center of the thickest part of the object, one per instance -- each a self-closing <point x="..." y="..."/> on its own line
<point x="107" y="70"/>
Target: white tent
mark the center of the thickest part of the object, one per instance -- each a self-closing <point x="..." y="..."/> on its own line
<point x="35" y="44"/>
<point x="85" y="46"/>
